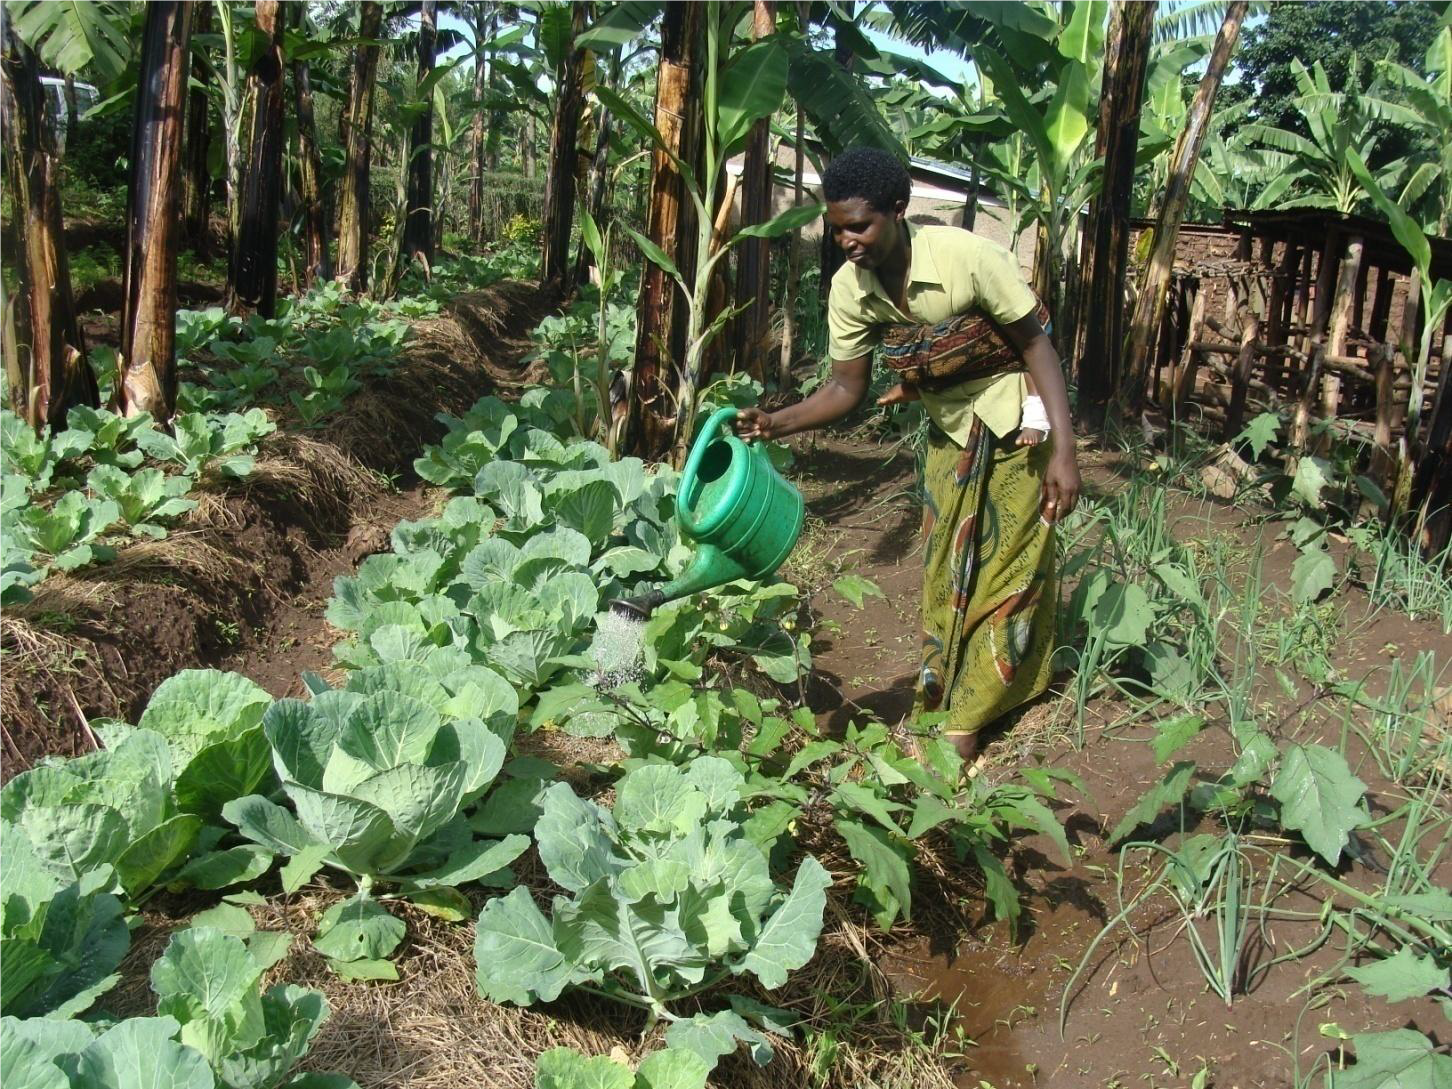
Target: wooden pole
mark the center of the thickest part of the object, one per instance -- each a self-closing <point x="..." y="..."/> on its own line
<point x="1245" y="361"/>
<point x="1341" y="309"/>
<point x="1301" y="425"/>
<point x="1150" y="303"/>
<point x="1182" y="383"/>
<point x="483" y="31"/>
<point x="148" y="321"/>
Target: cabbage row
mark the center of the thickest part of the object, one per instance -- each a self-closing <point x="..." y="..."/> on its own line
<point x="401" y="780"/>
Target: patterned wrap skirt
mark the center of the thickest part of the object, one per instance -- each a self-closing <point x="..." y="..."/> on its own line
<point x="990" y="580"/>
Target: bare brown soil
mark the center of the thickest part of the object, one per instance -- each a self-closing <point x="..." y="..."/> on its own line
<point x="229" y="586"/>
<point x="1140" y="1013"/>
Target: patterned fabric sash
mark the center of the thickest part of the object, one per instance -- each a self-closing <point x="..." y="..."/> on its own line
<point x="965" y="346"/>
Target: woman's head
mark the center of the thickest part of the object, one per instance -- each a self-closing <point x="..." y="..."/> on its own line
<point x="867" y="195"/>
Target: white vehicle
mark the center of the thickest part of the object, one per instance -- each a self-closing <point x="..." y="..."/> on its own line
<point x="55" y="104"/>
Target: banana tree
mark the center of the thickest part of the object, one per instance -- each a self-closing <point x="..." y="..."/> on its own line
<point x="252" y="273"/>
<point x="1063" y="49"/>
<point x="740" y="86"/>
<point x="40" y="336"/>
<point x="1342" y="124"/>
<point x="1426" y="107"/>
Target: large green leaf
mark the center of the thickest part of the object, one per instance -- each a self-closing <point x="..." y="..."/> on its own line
<point x="292" y="1016"/>
<point x="207" y="980"/>
<point x="155" y="851"/>
<point x="1320" y="798"/>
<point x="141" y="1053"/>
<point x="751" y="89"/>
<point x="358" y="929"/>
<point x="360" y="834"/>
<point x="516" y="957"/>
<point x="886" y="882"/>
<point x="221" y="772"/>
<point x="25" y="1065"/>
<point x="565" y="1068"/>
<point x="620" y="25"/>
<point x="789" y="938"/>
<point x="658" y="798"/>
<point x="841" y="111"/>
<point x="1082" y="38"/>
<point x="196" y="707"/>
<point x="784" y="222"/>
<point x="79" y="37"/>
<point x="1399" y="1059"/>
<point x="1401" y="976"/>
<point x="575" y="838"/>
<point x="1067" y="121"/>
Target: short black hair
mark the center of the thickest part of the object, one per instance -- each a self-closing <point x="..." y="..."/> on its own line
<point x="875" y="176"/>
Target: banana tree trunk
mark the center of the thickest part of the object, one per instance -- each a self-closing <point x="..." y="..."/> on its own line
<point x="254" y="252"/>
<point x="1097" y="356"/>
<point x="483" y="31"/>
<point x="1150" y="305"/>
<point x="197" y="179"/>
<point x="352" y="268"/>
<point x="559" y="195"/>
<point x="310" y="179"/>
<point x="753" y="256"/>
<point x="40" y="338"/>
<point x="596" y="202"/>
<point x="148" y="320"/>
<point x="670" y="223"/>
<point x="418" y="231"/>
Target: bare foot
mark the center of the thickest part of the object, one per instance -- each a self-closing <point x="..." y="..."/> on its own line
<point x="967" y="746"/>
<point x="1030" y="436"/>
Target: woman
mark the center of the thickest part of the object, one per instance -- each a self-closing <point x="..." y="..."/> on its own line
<point x="991" y="500"/>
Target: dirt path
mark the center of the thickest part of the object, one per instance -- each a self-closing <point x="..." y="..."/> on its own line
<point x="1141" y="1013"/>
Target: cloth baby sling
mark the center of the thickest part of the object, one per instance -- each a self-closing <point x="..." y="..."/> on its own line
<point x="989" y="588"/>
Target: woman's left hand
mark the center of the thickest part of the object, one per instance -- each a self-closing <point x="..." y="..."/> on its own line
<point x="1061" y="485"/>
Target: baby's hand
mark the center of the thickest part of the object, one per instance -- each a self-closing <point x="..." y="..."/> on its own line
<point x="900" y="394"/>
<point x="1030" y="436"/>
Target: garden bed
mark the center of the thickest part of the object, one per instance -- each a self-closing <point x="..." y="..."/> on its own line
<point x="226" y="585"/>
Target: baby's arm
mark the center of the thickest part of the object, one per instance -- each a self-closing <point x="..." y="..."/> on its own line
<point x="1035" y="424"/>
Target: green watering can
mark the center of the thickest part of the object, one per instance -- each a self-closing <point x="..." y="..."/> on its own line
<point x="743" y="515"/>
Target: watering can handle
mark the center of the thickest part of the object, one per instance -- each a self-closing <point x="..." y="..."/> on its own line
<point x="689" y="484"/>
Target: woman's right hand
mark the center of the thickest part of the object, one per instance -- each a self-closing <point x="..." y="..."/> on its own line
<point x="754" y="423"/>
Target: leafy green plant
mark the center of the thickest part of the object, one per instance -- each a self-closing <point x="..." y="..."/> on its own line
<point x="67" y="533"/>
<point x="566" y="1068"/>
<point x="105" y="809"/>
<point x="146" y="498"/>
<point x="209" y="982"/>
<point x="112" y="439"/>
<point x="60" y="942"/>
<point x="378" y="774"/>
<point x="25" y="453"/>
<point x="205" y="443"/>
<point x="325" y="393"/>
<point x="667" y="896"/>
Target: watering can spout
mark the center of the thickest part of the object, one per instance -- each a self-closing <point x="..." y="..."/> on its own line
<point x="743" y="517"/>
<point x="710" y="567"/>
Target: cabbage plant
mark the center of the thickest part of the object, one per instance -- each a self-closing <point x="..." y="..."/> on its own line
<point x="140" y="807"/>
<point x="666" y="897"/>
<point x="216" y="1027"/>
<point x="378" y="774"/>
<point x="146" y="499"/>
<point x="60" y="942"/>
